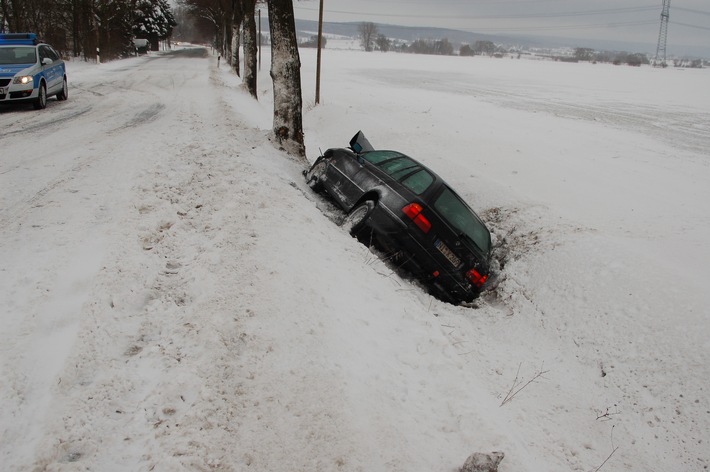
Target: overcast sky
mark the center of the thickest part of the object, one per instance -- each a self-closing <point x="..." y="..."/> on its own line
<point x="617" y="20"/>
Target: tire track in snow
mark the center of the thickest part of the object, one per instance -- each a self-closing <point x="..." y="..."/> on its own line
<point x="143" y="350"/>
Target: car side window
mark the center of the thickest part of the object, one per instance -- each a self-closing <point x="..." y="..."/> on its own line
<point x="42" y="53"/>
<point x="405" y="170"/>
<point x="401" y="168"/>
<point x="398" y="167"/>
<point x="418" y="182"/>
<point x="376" y="157"/>
<point x="52" y="54"/>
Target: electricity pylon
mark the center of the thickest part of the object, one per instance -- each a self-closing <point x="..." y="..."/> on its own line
<point x="663" y="35"/>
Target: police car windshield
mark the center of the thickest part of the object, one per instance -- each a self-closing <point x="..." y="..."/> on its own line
<point x="18" y="55"/>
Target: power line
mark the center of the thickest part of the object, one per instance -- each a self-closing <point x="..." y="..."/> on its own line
<point x="699" y="12"/>
<point x="522" y="16"/>
<point x="608" y="11"/>
<point x="561" y="27"/>
<point x="560" y="14"/>
<point x="690" y="26"/>
<point x="465" y="2"/>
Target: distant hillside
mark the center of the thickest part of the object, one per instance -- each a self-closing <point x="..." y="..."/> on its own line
<point x="306" y="28"/>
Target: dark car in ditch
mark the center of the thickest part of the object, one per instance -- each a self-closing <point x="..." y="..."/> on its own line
<point x="402" y="207"/>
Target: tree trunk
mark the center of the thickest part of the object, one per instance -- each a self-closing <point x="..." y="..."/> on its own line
<point x="250" y="47"/>
<point x="227" y="32"/>
<point x="286" y="76"/>
<point x="234" y="57"/>
<point x="237" y="18"/>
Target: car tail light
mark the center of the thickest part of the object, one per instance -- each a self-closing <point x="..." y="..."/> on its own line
<point x="414" y="212"/>
<point x="476" y="279"/>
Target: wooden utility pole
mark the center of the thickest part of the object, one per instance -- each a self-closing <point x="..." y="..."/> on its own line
<point x="320" y="43"/>
<point x="98" y="35"/>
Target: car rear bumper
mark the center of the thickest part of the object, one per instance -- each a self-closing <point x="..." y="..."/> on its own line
<point x="394" y="233"/>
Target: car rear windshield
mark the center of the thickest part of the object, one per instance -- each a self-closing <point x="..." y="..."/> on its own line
<point x="458" y="215"/>
<point x="401" y="168"/>
<point x="18" y="55"/>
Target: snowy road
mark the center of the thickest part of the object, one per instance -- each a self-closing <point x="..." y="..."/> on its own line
<point x="69" y="178"/>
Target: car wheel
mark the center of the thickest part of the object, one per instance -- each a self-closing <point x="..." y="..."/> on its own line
<point x="314" y="177"/>
<point x="64" y="94"/>
<point x="41" y="101"/>
<point x="354" y="222"/>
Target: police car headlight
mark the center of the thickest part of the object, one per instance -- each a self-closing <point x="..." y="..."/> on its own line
<point x="22" y="80"/>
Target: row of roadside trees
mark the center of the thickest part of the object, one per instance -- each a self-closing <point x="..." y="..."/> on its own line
<point x="100" y="29"/>
<point x="234" y="30"/>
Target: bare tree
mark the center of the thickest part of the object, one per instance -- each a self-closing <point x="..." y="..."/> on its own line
<point x="484" y="47"/>
<point x="466" y="50"/>
<point x="250" y="47"/>
<point x="443" y="47"/>
<point x="584" y="54"/>
<point x="233" y="30"/>
<point x="286" y="76"/>
<point x="383" y="43"/>
<point x="368" y="34"/>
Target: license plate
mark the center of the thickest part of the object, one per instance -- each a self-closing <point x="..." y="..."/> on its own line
<point x="444" y="249"/>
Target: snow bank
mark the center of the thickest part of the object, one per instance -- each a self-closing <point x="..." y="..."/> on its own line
<point x="177" y="299"/>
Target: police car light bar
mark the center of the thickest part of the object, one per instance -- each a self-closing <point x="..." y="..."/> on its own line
<point x="29" y="39"/>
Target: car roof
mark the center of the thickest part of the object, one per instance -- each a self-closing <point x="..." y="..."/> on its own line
<point x="436" y="186"/>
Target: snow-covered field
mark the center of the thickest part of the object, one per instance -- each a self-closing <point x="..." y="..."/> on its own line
<point x="175" y="298"/>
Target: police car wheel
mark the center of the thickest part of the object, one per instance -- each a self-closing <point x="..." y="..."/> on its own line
<point x="64" y="94"/>
<point x="41" y="101"/>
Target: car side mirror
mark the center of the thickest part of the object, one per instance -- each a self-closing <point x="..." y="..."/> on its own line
<point x="46" y="61"/>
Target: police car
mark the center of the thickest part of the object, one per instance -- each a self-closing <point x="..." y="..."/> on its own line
<point x="30" y="71"/>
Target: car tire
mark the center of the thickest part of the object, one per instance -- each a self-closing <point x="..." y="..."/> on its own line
<point x="314" y="176"/>
<point x="64" y="93"/>
<point x="41" y="101"/>
<point x="356" y="221"/>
